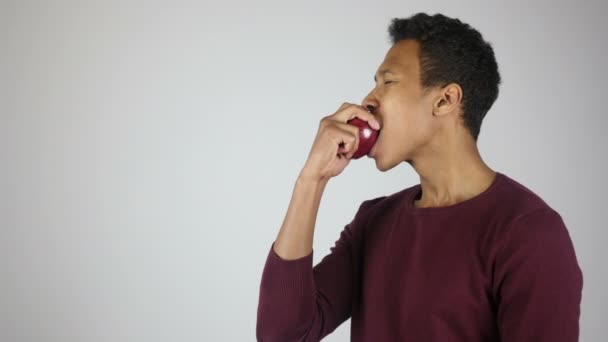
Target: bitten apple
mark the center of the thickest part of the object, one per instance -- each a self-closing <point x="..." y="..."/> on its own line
<point x="367" y="137"/>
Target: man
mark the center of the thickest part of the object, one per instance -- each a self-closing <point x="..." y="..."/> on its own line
<point x="469" y="254"/>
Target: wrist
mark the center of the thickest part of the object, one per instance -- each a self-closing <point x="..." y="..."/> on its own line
<point x="311" y="179"/>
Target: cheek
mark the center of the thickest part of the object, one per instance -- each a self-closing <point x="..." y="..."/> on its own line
<point x="408" y="119"/>
<point x="413" y="126"/>
<point x="411" y="117"/>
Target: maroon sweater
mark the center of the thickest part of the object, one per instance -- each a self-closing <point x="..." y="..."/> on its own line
<point x="497" y="267"/>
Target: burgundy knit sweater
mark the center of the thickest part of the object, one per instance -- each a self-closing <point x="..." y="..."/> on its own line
<point x="497" y="267"/>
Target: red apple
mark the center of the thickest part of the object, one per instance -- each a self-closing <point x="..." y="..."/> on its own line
<point x="367" y="137"/>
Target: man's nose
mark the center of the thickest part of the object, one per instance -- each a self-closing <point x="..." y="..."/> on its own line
<point x="370" y="104"/>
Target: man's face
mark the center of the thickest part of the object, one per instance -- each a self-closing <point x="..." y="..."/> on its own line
<point x="400" y="105"/>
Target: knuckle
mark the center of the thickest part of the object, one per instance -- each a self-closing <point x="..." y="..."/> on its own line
<point x="344" y="106"/>
<point x="329" y="130"/>
<point x="324" y="122"/>
<point x="353" y="138"/>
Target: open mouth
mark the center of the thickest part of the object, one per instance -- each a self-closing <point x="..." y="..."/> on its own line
<point x="373" y="149"/>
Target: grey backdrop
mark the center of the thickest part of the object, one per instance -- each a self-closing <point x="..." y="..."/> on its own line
<point x="149" y="150"/>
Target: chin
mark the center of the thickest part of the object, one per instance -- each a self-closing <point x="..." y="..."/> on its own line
<point x="382" y="165"/>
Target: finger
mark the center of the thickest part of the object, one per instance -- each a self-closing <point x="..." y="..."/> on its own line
<point x="346" y="136"/>
<point x="351" y="111"/>
<point x="344" y="151"/>
<point x="349" y="137"/>
<point x="344" y="105"/>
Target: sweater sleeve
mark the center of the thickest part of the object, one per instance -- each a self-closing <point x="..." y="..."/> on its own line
<point x="538" y="282"/>
<point x="300" y="303"/>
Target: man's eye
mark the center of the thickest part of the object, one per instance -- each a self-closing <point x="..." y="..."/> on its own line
<point x="387" y="82"/>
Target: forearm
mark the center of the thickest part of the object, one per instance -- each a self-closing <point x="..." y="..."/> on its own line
<point x="295" y="238"/>
<point x="299" y="302"/>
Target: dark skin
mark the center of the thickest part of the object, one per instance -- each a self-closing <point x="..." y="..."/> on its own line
<point x="425" y="129"/>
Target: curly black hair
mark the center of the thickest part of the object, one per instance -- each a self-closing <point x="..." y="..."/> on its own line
<point x="453" y="52"/>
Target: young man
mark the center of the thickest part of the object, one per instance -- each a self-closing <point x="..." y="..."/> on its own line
<point x="469" y="254"/>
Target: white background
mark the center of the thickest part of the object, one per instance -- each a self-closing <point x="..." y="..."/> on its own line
<point x="148" y="150"/>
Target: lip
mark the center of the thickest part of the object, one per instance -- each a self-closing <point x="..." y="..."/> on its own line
<point x="373" y="150"/>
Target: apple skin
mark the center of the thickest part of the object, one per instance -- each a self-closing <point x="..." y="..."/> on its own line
<point x="367" y="137"/>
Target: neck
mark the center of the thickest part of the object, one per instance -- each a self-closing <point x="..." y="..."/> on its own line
<point x="451" y="172"/>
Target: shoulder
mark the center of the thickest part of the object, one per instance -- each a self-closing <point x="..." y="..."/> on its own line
<point x="514" y="204"/>
<point x="387" y="203"/>
<point x="529" y="222"/>
<point x="518" y="199"/>
<point x="537" y="246"/>
<point x="384" y="207"/>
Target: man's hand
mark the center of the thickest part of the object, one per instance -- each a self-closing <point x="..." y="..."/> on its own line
<point x="336" y="142"/>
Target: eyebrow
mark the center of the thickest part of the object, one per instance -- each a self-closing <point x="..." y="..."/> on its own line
<point x="384" y="71"/>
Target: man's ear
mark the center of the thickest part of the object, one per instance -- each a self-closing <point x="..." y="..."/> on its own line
<point x="448" y="100"/>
